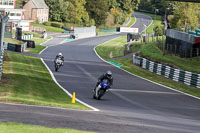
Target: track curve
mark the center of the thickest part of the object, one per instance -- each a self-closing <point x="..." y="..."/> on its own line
<point x="133" y="104"/>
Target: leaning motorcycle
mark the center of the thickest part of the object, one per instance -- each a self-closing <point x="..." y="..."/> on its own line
<point x="58" y="64"/>
<point x="103" y="88"/>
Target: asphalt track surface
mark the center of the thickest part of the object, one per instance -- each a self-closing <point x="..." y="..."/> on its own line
<point x="133" y="105"/>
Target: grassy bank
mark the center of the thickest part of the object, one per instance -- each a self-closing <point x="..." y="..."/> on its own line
<point x="22" y="128"/>
<point x="49" y="28"/>
<point x="131" y="22"/>
<point x="26" y="80"/>
<point x="146" y="49"/>
<point x="13" y="41"/>
<point x="112" y="48"/>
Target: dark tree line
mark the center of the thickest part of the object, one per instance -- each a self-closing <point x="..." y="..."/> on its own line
<point x="88" y="12"/>
<point x="98" y="12"/>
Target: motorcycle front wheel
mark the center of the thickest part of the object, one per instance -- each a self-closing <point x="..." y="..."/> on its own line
<point x="56" y="68"/>
<point x="100" y="94"/>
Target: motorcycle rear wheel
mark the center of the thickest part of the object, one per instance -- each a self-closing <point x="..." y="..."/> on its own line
<point x="56" y="68"/>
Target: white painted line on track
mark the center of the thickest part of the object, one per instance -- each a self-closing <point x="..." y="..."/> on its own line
<point x="135" y="21"/>
<point x="141" y="77"/>
<point x="18" y="104"/>
<point x="42" y="106"/>
<point x="43" y="50"/>
<point x="141" y="91"/>
<point x="94" y="109"/>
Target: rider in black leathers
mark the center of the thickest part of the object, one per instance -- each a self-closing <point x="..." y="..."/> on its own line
<point x="107" y="75"/>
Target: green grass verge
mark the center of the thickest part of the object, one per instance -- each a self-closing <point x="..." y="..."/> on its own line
<point x="49" y="28"/>
<point x="131" y="22"/>
<point x="26" y="80"/>
<point x="112" y="48"/>
<point x="105" y="49"/>
<point x="13" y="41"/>
<point x="38" y="47"/>
<point x="156" y="21"/>
<point x="22" y="128"/>
<point x="105" y="33"/>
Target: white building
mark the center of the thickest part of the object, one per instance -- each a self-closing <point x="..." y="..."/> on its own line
<point x="16" y="16"/>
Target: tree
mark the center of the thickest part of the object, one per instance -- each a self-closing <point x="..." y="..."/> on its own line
<point x="151" y="5"/>
<point x="112" y="4"/>
<point x="20" y="3"/>
<point x="185" y="14"/>
<point x="97" y="10"/>
<point x="55" y="9"/>
<point x="70" y="11"/>
<point x="159" y="30"/>
<point x="79" y="14"/>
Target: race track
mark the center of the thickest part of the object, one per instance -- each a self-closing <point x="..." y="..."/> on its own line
<point x="133" y="105"/>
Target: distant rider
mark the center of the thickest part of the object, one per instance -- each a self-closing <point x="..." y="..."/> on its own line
<point x="61" y="57"/>
<point x="108" y="76"/>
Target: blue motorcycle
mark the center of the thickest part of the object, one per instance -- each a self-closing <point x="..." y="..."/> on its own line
<point x="100" y="89"/>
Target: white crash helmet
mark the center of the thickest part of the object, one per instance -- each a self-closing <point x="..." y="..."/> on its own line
<point x="59" y="54"/>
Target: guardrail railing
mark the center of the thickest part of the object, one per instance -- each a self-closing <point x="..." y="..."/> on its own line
<point x="188" y="78"/>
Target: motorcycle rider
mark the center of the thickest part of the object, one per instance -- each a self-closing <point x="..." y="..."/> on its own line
<point x="108" y="76"/>
<point x="59" y="55"/>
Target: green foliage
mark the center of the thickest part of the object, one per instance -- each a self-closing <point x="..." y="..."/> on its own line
<point x="55" y="10"/>
<point x="185" y="14"/>
<point x="19" y="3"/>
<point x="28" y="81"/>
<point x="122" y="9"/>
<point x="47" y="23"/>
<point x="97" y="10"/>
<point x="56" y="24"/>
<point x="70" y="11"/>
<point x="91" y="12"/>
<point x="159" y="30"/>
<point x="151" y="5"/>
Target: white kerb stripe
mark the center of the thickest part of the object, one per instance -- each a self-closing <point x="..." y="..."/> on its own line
<point x="65" y="89"/>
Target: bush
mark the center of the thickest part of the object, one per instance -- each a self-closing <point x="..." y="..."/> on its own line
<point x="56" y="24"/>
<point x="47" y="23"/>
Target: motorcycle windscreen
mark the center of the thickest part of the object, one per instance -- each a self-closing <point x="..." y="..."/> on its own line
<point x="58" y="61"/>
<point x="105" y="83"/>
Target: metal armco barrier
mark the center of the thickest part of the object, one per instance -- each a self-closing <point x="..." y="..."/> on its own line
<point x="188" y="78"/>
